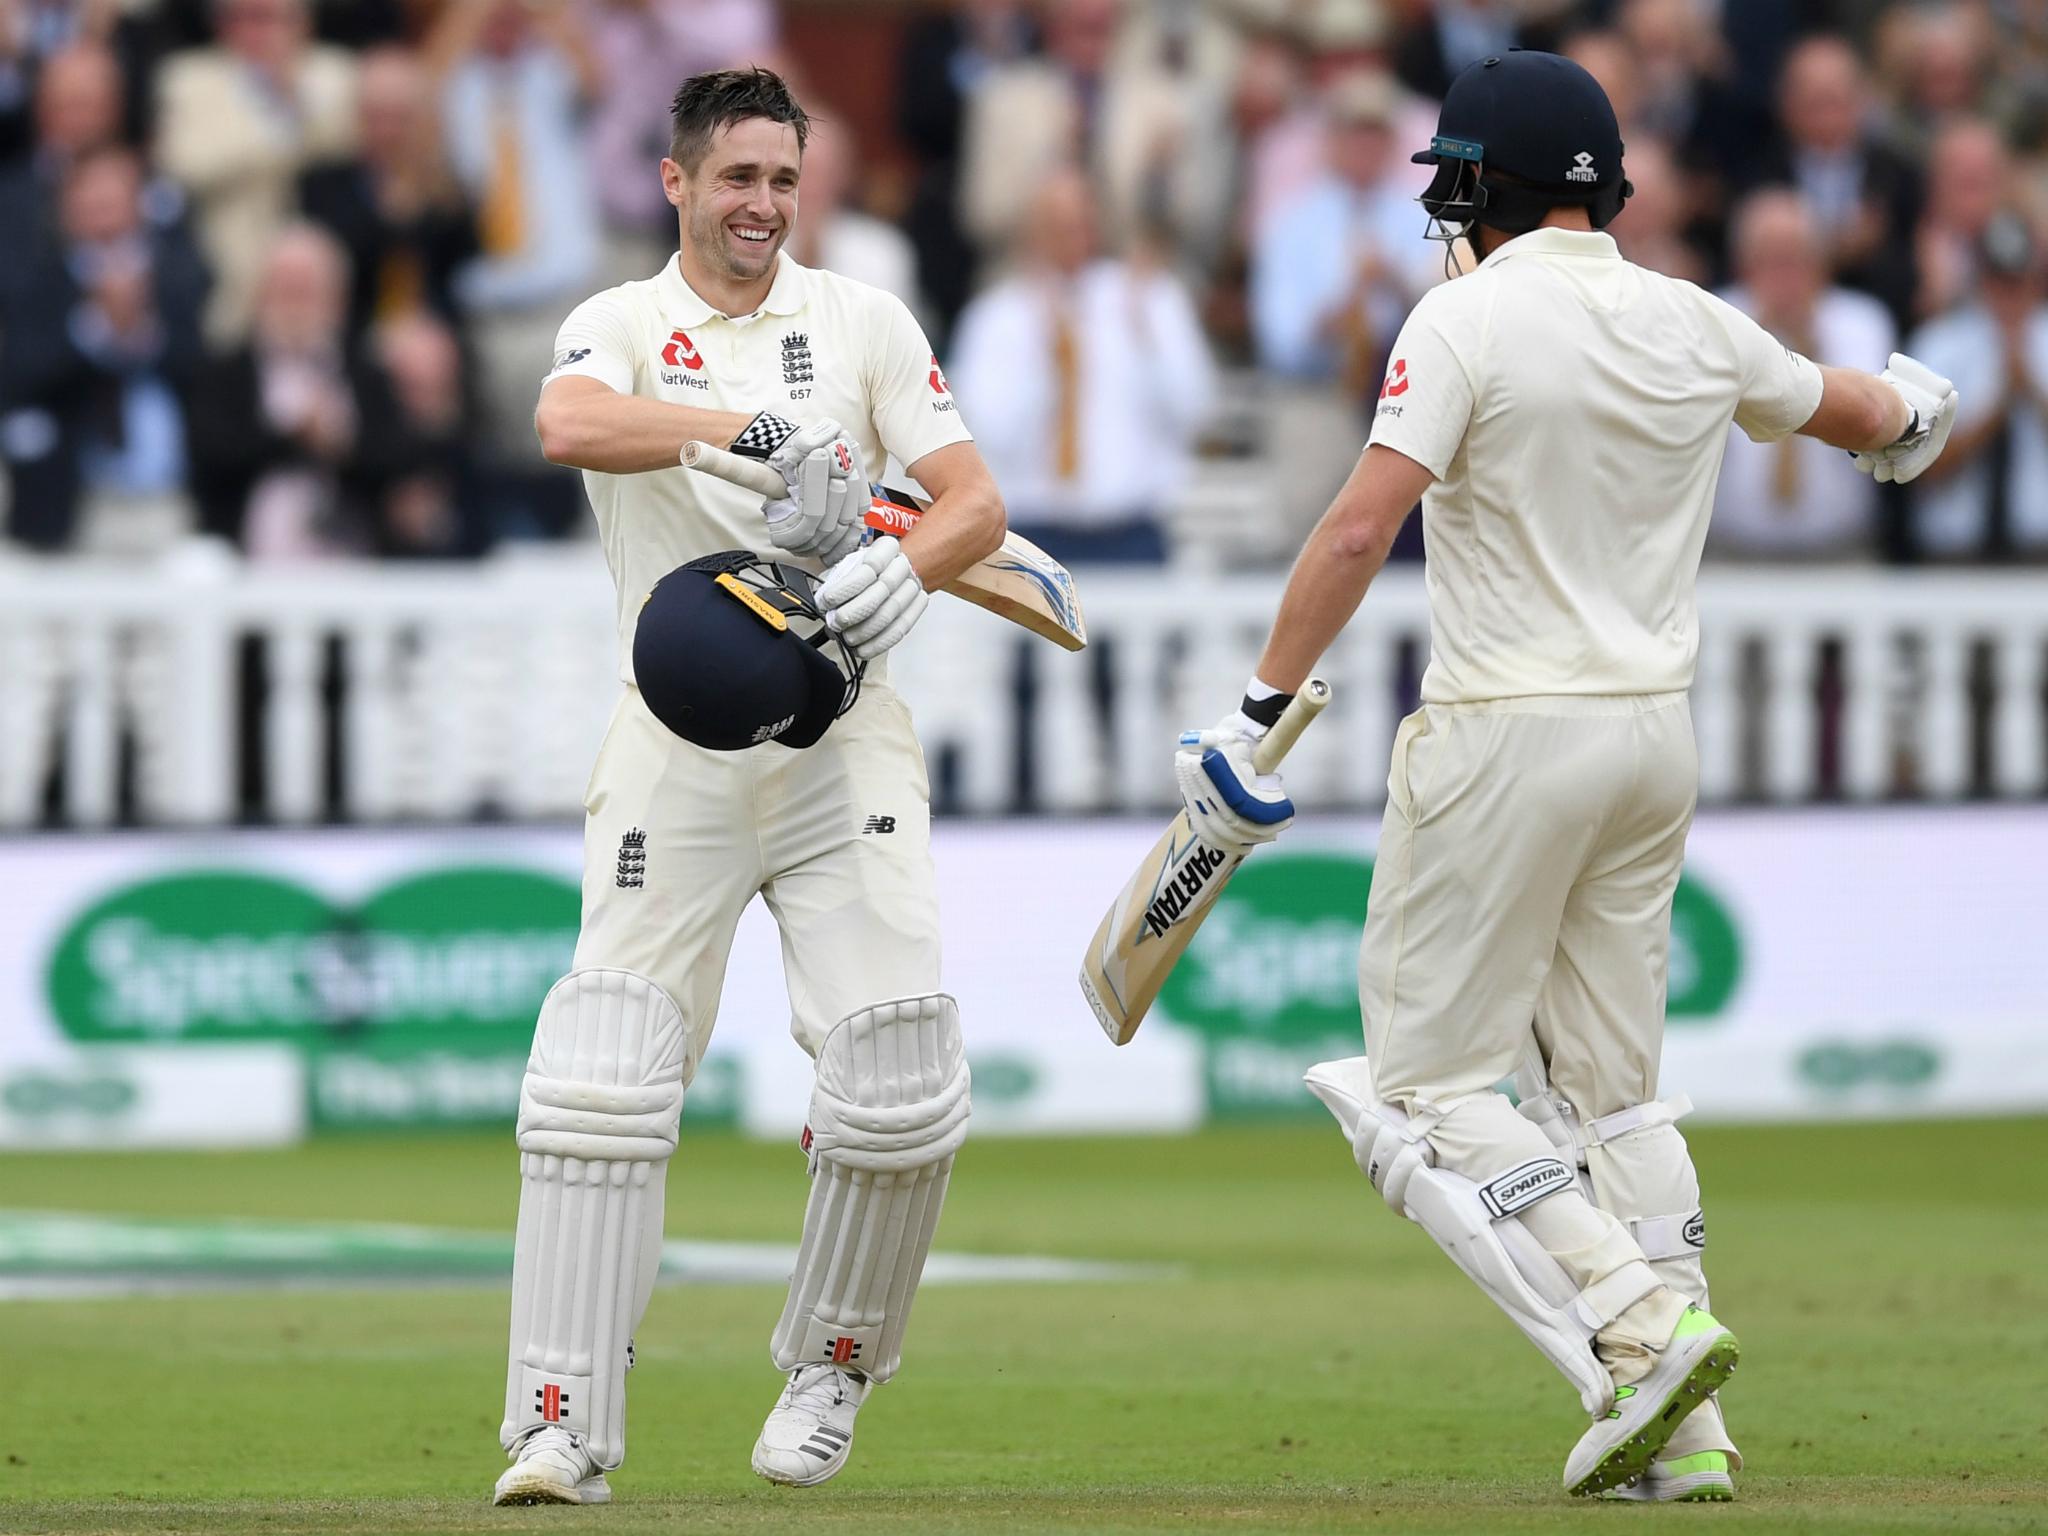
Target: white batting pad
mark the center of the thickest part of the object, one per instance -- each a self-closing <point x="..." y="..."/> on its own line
<point x="1478" y="1225"/>
<point x="889" y="1112"/>
<point x="597" y="1125"/>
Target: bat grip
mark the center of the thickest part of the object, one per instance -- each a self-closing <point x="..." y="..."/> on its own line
<point x="1308" y="703"/>
<point x="747" y="474"/>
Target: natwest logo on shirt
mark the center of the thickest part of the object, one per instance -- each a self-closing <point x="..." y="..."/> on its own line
<point x="681" y="352"/>
<point x="684" y="363"/>
<point x="1397" y="380"/>
<point x="937" y="380"/>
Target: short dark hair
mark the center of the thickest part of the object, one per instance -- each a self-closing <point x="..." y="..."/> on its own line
<point x="708" y="102"/>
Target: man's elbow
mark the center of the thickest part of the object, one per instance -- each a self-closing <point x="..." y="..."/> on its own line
<point x="992" y="520"/>
<point x="548" y="426"/>
<point x="1366" y="534"/>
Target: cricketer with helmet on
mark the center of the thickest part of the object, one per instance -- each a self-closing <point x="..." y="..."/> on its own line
<point x="1560" y="414"/>
<point x="742" y="760"/>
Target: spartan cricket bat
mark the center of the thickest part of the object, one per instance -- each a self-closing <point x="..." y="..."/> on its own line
<point x="1019" y="582"/>
<point x="1142" y="935"/>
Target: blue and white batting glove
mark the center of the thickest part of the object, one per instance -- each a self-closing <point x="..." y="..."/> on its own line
<point x="1232" y="806"/>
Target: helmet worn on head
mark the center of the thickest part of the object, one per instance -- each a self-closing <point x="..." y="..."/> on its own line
<point x="731" y="651"/>
<point x="1519" y="134"/>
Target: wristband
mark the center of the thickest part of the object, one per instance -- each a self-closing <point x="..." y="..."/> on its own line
<point x="1264" y="705"/>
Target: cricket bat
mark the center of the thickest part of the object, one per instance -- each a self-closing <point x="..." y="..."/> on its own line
<point x="1149" y="924"/>
<point x="1019" y="582"/>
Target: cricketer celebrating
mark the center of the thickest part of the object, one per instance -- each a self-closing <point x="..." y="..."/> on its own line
<point x="734" y="344"/>
<point x="1561" y="415"/>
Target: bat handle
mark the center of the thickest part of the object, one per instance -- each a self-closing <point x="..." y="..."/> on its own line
<point x="1308" y="703"/>
<point x="747" y="474"/>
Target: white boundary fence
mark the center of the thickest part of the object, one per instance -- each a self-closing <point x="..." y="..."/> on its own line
<point x="441" y="693"/>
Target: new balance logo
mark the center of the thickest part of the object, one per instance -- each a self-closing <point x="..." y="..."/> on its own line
<point x="632" y="860"/>
<point x="550" y="1402"/>
<point x="882" y="824"/>
<point x="841" y="1351"/>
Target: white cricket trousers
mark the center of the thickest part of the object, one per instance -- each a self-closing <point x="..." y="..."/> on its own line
<point x="1526" y="865"/>
<point x="836" y="838"/>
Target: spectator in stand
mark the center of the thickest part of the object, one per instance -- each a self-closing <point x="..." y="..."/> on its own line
<point x="1989" y="500"/>
<point x="1443" y="36"/>
<point x="516" y="79"/>
<point x="1120" y="115"/>
<point x="1682" y="94"/>
<point x="644" y="48"/>
<point x="1938" y="63"/>
<point x="236" y="124"/>
<point x="1799" y="498"/>
<point x="284" y="427"/>
<point x="35" y="32"/>
<point x="1335" y="271"/>
<point x="1652" y="225"/>
<point x="395" y="207"/>
<point x="1864" y="194"/>
<point x="1086" y="378"/>
<point x="1343" y="38"/>
<point x="946" y="56"/>
<point x="100" y="331"/>
<point x="428" y="499"/>
<point x="1969" y="178"/>
<point x="77" y="109"/>
<point x="834" y="234"/>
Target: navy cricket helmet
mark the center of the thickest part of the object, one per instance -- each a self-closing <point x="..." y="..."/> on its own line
<point x="731" y="651"/>
<point x="1518" y="134"/>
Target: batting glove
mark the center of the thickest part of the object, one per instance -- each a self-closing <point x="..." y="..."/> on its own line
<point x="1232" y="805"/>
<point x="1932" y="400"/>
<point x="872" y="597"/>
<point x="825" y="510"/>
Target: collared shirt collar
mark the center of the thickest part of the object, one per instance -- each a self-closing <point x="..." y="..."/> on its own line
<point x="1551" y="241"/>
<point x="687" y="307"/>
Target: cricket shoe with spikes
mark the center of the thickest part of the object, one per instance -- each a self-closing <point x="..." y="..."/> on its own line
<point x="1702" y="1478"/>
<point x="552" y="1468"/>
<point x="810" y="1430"/>
<point x="1619" y="1448"/>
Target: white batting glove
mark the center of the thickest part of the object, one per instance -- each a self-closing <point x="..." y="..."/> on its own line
<point x="872" y="597"/>
<point x="1932" y="400"/>
<point x="1232" y="805"/>
<point x="822" y="516"/>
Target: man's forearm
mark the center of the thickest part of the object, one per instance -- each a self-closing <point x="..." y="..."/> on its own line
<point x="627" y="434"/>
<point x="1324" y="590"/>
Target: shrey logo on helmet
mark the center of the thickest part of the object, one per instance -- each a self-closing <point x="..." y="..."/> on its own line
<point x="1582" y="168"/>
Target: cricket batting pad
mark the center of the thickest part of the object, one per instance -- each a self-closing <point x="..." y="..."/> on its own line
<point x="1478" y="1225"/>
<point x="889" y="1111"/>
<point x="597" y="1125"/>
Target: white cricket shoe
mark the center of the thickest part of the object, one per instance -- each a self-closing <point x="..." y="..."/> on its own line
<point x="1701" y="1478"/>
<point x="553" y="1468"/>
<point x="810" y="1430"/>
<point x="1619" y="1448"/>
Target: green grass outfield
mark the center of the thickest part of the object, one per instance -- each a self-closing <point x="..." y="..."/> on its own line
<point x="1314" y="1365"/>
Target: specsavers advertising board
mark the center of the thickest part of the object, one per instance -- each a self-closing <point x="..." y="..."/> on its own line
<point x="252" y="988"/>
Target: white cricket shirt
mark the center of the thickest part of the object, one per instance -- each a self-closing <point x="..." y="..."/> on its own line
<point x="1574" y="408"/>
<point x="820" y="345"/>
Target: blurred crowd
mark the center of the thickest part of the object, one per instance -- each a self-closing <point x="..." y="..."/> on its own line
<point x="287" y="272"/>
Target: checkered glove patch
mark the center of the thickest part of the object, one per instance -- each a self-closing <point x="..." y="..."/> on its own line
<point x="760" y="437"/>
